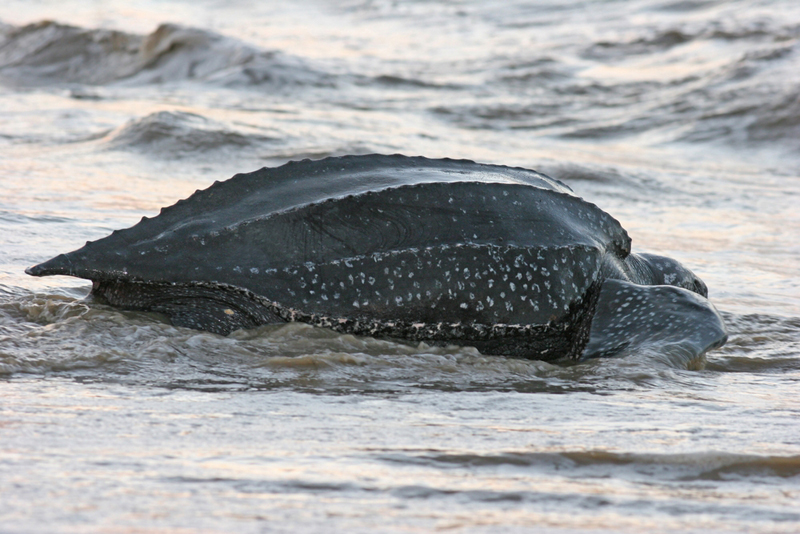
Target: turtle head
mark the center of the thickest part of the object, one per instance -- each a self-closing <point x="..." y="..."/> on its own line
<point x="662" y="271"/>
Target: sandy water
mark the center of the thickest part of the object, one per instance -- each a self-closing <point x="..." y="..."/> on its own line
<point x="681" y="119"/>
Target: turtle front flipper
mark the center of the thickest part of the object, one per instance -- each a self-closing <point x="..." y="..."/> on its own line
<point x="631" y="317"/>
<point x="216" y="308"/>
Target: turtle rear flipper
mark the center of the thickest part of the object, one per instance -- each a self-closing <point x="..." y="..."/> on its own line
<point x="211" y="307"/>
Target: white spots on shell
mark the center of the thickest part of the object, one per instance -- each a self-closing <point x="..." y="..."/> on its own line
<point x="486" y="279"/>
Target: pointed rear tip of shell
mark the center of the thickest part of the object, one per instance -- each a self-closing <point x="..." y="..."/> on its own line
<point x="61" y="264"/>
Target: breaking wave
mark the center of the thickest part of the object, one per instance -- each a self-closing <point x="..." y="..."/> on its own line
<point x="668" y="82"/>
<point x="48" y="53"/>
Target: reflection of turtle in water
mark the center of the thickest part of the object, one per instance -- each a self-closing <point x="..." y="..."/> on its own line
<point x="504" y="259"/>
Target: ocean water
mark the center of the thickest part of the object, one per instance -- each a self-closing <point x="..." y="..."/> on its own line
<point x="681" y="118"/>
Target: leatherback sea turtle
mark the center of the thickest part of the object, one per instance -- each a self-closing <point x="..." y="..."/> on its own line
<point x="442" y="251"/>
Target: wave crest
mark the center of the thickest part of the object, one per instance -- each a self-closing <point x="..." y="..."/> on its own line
<point x="47" y="53"/>
<point x="178" y="132"/>
<point x="685" y="467"/>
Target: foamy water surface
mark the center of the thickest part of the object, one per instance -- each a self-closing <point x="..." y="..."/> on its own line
<point x="680" y="119"/>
